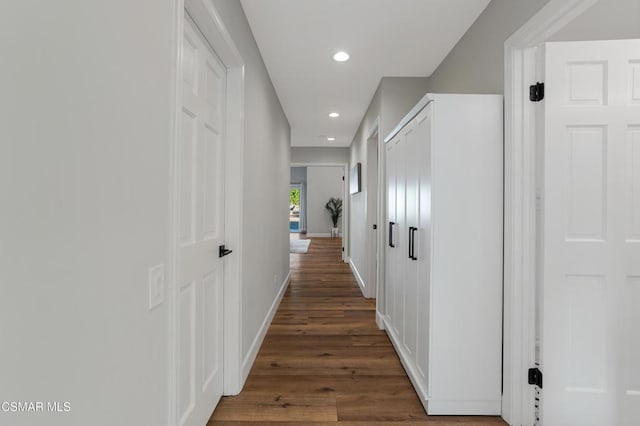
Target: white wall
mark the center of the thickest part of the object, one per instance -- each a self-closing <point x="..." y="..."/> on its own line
<point x="84" y="157"/>
<point x="266" y="181"/>
<point x="323" y="182"/>
<point x="84" y="181"/>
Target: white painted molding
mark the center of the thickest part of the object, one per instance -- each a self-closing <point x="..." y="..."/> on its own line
<point x="252" y="353"/>
<point x="380" y="321"/>
<point x="359" y="279"/>
<point x="173" y="225"/>
<point x="520" y="229"/>
<point x="319" y="235"/>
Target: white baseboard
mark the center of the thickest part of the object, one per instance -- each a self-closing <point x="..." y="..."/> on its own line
<point x="257" y="342"/>
<point x="435" y="406"/>
<point x="380" y="320"/>
<point x="408" y="368"/>
<point x="359" y="279"/>
<point x="317" y="235"/>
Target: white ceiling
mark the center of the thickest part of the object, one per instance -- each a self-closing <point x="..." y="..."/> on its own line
<point x="297" y="39"/>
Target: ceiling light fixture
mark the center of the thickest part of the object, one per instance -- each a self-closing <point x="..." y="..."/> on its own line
<point x="331" y="139"/>
<point x="341" y="56"/>
<point x="334" y="114"/>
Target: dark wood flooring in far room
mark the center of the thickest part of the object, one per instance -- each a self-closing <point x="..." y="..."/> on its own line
<point x="324" y="361"/>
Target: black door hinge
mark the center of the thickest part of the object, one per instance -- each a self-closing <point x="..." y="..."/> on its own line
<point x="342" y="177"/>
<point x="536" y="92"/>
<point x="342" y="248"/>
<point x="535" y="377"/>
<point x="375" y="226"/>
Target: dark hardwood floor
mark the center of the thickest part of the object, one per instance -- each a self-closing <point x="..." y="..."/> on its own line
<point x="324" y="361"/>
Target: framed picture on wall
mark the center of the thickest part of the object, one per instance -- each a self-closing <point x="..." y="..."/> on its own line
<point x="354" y="180"/>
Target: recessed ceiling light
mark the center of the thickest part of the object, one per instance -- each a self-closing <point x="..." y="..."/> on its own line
<point x="341" y="56"/>
<point x="334" y="114"/>
<point x="331" y="139"/>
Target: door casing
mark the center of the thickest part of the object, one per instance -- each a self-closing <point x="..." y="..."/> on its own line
<point x="520" y="204"/>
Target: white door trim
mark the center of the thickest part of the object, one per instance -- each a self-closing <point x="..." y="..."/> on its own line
<point x="375" y="133"/>
<point x="382" y="202"/>
<point x="345" y="202"/>
<point x="208" y="20"/>
<point x="520" y="198"/>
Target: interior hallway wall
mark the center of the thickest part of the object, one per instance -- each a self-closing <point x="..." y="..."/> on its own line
<point x="266" y="182"/>
<point x="84" y="192"/>
<point x="84" y="200"/>
<point x="319" y="155"/>
<point x="393" y="99"/>
<point x="323" y="182"/>
<point x="606" y="20"/>
<point x="476" y="63"/>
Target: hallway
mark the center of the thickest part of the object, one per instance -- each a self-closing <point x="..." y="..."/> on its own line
<point x="324" y="359"/>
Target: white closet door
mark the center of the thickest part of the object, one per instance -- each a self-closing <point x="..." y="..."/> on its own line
<point x="201" y="201"/>
<point x="423" y="243"/>
<point x="412" y="147"/>
<point x="391" y="265"/>
<point x="400" y="235"/>
<point x="591" y="279"/>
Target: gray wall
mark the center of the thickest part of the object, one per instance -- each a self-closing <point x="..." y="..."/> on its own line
<point x="476" y="63"/>
<point x="606" y="20"/>
<point x="393" y="99"/>
<point x="298" y="174"/>
<point x="266" y="181"/>
<point x="84" y="164"/>
<point x="319" y="155"/>
<point x="84" y="204"/>
<point x="323" y="182"/>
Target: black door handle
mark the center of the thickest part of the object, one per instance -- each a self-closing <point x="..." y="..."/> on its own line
<point x="412" y="238"/>
<point x="391" y="234"/>
<point x="410" y="241"/>
<point x="222" y="251"/>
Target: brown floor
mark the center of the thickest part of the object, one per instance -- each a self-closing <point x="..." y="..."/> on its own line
<point x="325" y="361"/>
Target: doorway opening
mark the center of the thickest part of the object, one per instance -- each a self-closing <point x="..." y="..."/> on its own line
<point x="296" y="216"/>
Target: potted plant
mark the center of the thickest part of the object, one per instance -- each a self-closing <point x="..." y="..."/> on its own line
<point x="334" y="205"/>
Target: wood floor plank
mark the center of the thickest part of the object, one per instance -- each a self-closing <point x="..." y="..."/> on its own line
<point x="324" y="361"/>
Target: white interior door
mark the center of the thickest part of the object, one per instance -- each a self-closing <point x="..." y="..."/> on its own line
<point x="591" y="262"/>
<point x="201" y="230"/>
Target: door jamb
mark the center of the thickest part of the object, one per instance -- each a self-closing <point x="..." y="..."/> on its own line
<point x="520" y="198"/>
<point x="374" y="133"/>
<point x="216" y="34"/>
<point x="380" y="208"/>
